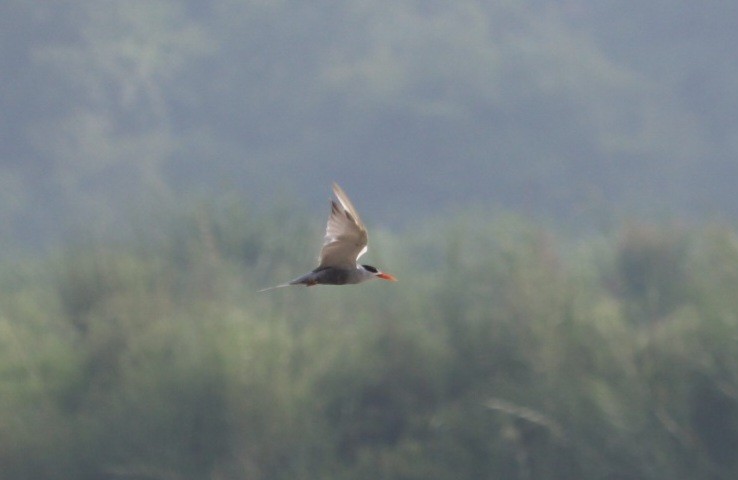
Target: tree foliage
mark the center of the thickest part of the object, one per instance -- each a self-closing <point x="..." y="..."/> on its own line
<point x="561" y="108"/>
<point x="538" y="359"/>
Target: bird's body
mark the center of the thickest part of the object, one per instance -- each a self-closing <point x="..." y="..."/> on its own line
<point x="330" y="276"/>
<point x="345" y="241"/>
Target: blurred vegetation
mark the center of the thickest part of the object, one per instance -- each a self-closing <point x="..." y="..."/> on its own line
<point x="560" y="109"/>
<point x="505" y="351"/>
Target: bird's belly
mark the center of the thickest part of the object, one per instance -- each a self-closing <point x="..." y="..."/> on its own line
<point x="333" y="276"/>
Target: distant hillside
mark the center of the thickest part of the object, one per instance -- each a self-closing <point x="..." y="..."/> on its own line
<point x="561" y="108"/>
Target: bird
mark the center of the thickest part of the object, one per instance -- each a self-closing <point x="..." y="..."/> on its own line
<point x="344" y="243"/>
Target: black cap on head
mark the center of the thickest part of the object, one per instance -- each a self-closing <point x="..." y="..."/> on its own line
<point x="369" y="268"/>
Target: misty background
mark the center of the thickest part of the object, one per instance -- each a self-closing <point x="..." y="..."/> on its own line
<point x="552" y="181"/>
<point x="564" y="109"/>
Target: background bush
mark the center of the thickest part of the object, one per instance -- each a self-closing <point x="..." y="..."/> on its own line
<point x="505" y="351"/>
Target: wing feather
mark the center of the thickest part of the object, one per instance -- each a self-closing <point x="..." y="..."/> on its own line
<point x="345" y="235"/>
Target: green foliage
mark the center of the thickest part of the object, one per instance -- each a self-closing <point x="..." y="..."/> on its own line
<point x="495" y="356"/>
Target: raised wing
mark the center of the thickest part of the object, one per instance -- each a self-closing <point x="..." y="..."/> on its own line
<point x="345" y="236"/>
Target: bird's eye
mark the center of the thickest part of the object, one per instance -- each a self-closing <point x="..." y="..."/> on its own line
<point x="370" y="268"/>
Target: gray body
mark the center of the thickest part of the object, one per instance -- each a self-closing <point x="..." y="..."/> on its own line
<point x="333" y="276"/>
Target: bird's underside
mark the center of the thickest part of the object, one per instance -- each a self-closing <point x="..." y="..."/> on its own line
<point x="324" y="276"/>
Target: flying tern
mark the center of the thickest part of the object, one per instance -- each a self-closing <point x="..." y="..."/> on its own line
<point x="344" y="243"/>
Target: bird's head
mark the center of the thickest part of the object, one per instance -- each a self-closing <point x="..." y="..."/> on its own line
<point x="374" y="271"/>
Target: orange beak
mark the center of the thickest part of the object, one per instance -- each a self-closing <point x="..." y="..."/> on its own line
<point x="386" y="276"/>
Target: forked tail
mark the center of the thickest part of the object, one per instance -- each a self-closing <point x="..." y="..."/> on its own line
<point x="276" y="286"/>
<point x="308" y="279"/>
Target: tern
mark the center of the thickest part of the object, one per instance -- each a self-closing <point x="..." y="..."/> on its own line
<point x="344" y="242"/>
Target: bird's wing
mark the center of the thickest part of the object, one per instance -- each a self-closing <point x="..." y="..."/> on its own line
<point x="345" y="236"/>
